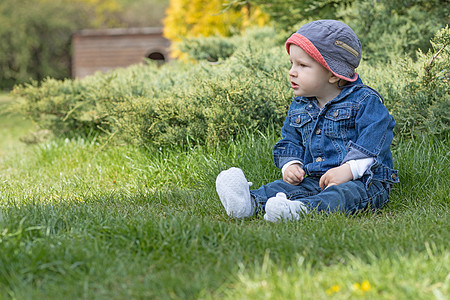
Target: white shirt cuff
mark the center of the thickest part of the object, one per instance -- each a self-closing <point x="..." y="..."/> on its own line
<point x="359" y="166"/>
<point x="290" y="163"/>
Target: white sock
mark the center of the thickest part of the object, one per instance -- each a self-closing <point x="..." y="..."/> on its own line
<point x="280" y="208"/>
<point x="234" y="193"/>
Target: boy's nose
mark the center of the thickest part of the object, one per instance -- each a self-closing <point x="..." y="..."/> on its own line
<point x="292" y="73"/>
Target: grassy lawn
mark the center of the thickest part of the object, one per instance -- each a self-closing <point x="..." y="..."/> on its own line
<point x="80" y="220"/>
<point x="12" y="127"/>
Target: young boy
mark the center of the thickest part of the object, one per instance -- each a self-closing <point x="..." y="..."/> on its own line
<point x="335" y="148"/>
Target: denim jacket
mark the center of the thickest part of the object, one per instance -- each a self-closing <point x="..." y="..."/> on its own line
<point x="354" y="125"/>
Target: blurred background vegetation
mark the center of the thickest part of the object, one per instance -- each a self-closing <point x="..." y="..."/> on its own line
<point x="36" y="34"/>
<point x="232" y="68"/>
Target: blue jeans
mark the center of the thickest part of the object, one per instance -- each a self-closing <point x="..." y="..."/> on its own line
<point x="348" y="197"/>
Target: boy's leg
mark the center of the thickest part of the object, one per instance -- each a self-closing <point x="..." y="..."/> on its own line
<point x="239" y="202"/>
<point x="349" y="197"/>
<point x="308" y="187"/>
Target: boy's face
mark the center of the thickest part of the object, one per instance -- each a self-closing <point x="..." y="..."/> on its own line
<point x="308" y="78"/>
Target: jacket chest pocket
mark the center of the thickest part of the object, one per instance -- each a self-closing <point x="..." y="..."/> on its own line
<point x="302" y="123"/>
<point x="338" y="122"/>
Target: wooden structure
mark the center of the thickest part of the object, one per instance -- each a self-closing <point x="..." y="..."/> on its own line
<point x="106" y="49"/>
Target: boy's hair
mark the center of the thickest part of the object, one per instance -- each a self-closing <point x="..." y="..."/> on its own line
<point x="331" y="43"/>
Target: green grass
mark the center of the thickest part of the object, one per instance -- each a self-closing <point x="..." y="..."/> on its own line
<point x="83" y="220"/>
<point x="12" y="127"/>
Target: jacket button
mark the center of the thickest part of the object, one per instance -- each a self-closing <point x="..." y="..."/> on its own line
<point x="394" y="176"/>
<point x="319" y="159"/>
<point x="298" y="120"/>
<point x="336" y="113"/>
<point x="318" y="131"/>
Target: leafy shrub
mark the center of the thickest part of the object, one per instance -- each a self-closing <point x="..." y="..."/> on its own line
<point x="425" y="109"/>
<point x="384" y="27"/>
<point x="389" y="28"/>
<point x="211" y="48"/>
<point x="63" y="107"/>
<point x="416" y="91"/>
<point x="215" y="48"/>
<point x="207" y="103"/>
<point x="201" y="102"/>
<point x="176" y="103"/>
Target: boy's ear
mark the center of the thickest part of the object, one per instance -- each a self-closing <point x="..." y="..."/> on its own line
<point x="333" y="78"/>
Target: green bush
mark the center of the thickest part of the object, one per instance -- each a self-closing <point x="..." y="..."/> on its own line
<point x="209" y="48"/>
<point x="176" y="103"/>
<point x="389" y="28"/>
<point x="203" y="103"/>
<point x="197" y="103"/>
<point x="215" y="48"/>
<point x="63" y="107"/>
<point x="416" y="91"/>
<point x="384" y="27"/>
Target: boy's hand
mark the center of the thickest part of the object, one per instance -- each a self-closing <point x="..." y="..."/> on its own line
<point x="336" y="176"/>
<point x="294" y="174"/>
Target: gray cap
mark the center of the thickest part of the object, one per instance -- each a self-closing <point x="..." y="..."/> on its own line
<point x="331" y="43"/>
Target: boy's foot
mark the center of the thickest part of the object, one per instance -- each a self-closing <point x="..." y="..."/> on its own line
<point x="280" y="208"/>
<point x="234" y="193"/>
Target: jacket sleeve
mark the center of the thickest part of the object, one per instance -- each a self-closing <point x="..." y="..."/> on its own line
<point x="374" y="126"/>
<point x="290" y="147"/>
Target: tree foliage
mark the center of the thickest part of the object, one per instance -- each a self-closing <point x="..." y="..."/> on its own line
<point x="387" y="28"/>
<point x="35" y="39"/>
<point x="194" y="18"/>
<point x="143" y="13"/>
<point x="36" y="34"/>
<point x="285" y="14"/>
<point x="101" y="13"/>
<point x="384" y="27"/>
